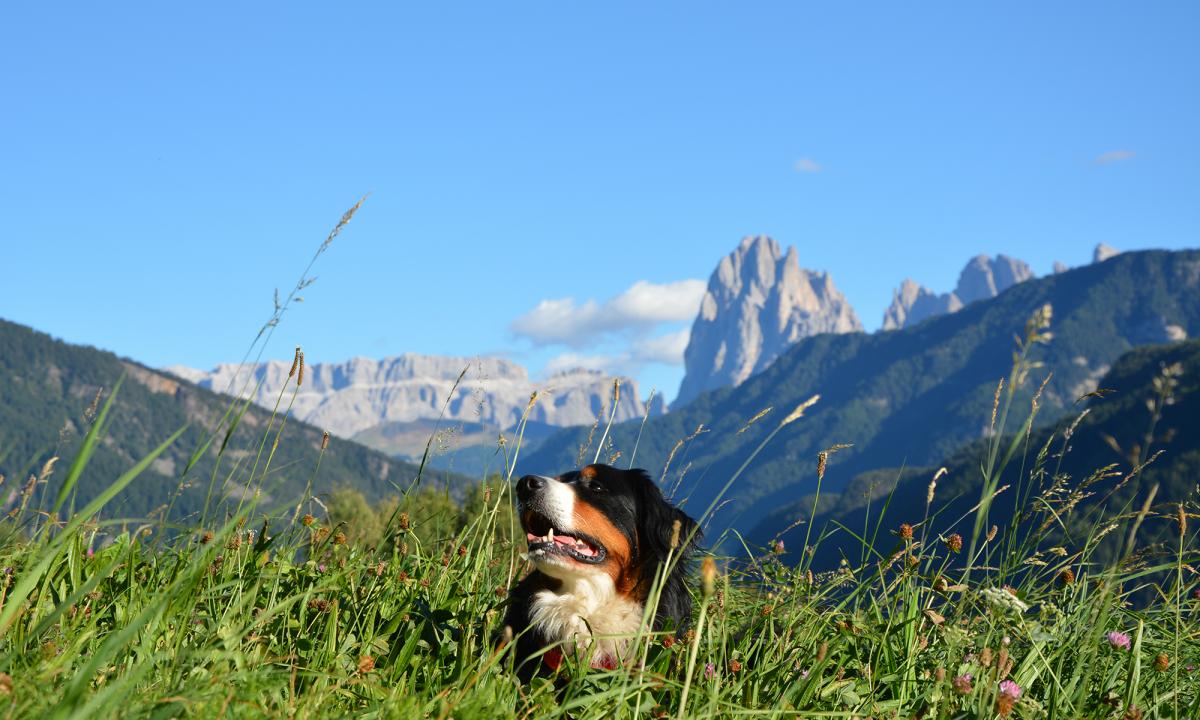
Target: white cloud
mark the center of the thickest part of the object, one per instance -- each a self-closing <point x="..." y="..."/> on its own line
<point x="808" y="165"/>
<point x="666" y="349"/>
<point x="1114" y="156"/>
<point x="638" y="309"/>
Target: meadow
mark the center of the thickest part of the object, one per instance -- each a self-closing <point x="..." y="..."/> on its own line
<point x="324" y="605"/>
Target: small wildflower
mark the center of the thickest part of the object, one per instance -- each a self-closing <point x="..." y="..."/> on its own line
<point x="325" y="441"/>
<point x="205" y="537"/>
<point x="320" y="567"/>
<point x="1119" y="640"/>
<point x="366" y="664"/>
<point x="403" y="522"/>
<point x="1133" y="713"/>
<point x="1066" y="577"/>
<point x="462" y="550"/>
<point x="709" y="671"/>
<point x="1009" y="692"/>
<point x="339" y="538"/>
<point x="735" y="667"/>
<point x="1162" y="662"/>
<point x="308" y="520"/>
<point x="501" y="591"/>
<point x="985" y="657"/>
<point x="992" y="533"/>
<point x="822" y="651"/>
<point x="954" y="543"/>
<point x="668" y="641"/>
<point x="906" y="532"/>
<point x="777" y="547"/>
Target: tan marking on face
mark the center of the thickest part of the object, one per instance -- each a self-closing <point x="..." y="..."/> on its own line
<point x="588" y="472"/>
<point x="590" y="521"/>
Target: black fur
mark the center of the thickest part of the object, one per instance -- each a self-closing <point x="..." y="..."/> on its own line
<point x="632" y="501"/>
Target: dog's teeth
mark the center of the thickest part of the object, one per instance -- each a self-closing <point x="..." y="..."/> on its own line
<point x="550" y="535"/>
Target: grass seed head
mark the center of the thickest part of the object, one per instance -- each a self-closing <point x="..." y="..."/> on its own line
<point x="708" y="576"/>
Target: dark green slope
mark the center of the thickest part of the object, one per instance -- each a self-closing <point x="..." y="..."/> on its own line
<point x="906" y="397"/>
<point x="1114" y="431"/>
<point x="46" y="385"/>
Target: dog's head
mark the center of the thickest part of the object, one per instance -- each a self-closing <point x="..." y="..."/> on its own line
<point x="602" y="520"/>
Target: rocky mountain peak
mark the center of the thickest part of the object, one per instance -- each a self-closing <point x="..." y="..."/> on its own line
<point x="759" y="301"/>
<point x="982" y="278"/>
<point x="1104" y="252"/>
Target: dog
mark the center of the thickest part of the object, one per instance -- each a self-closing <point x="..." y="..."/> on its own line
<point x="598" y="538"/>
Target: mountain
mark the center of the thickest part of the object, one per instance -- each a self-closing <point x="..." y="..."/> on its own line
<point x="1113" y="430"/>
<point x="1104" y="252"/>
<point x="47" y="386"/>
<point x="759" y="302"/>
<point x="905" y="397"/>
<point x="982" y="278"/>
<point x="392" y="404"/>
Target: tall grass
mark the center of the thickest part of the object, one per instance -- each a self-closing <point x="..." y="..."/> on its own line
<point x="274" y="613"/>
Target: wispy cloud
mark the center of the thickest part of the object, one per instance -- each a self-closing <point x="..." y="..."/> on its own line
<point x="1114" y="156"/>
<point x="808" y="165"/>
<point x="637" y="310"/>
<point x="665" y="349"/>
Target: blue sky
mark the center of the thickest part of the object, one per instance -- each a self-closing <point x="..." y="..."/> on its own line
<point x="164" y="167"/>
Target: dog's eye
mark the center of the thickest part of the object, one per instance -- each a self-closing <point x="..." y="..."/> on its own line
<point x="595" y="486"/>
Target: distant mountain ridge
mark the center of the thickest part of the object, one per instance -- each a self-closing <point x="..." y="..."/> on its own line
<point x="1109" y="433"/>
<point x="355" y="395"/>
<point x="911" y="396"/>
<point x="759" y="302"/>
<point x="982" y="278"/>
<point x="46" y="385"/>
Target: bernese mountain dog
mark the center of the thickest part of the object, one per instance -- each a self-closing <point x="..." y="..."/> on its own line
<point x="598" y="538"/>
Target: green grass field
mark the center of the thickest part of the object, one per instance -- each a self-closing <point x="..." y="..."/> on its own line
<point x="330" y="607"/>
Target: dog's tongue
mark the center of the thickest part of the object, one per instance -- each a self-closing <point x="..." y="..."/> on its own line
<point x="565" y="540"/>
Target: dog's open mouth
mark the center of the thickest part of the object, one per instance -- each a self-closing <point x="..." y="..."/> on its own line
<point x="545" y="539"/>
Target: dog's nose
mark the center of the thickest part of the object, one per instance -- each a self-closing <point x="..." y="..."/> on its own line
<point x="530" y="484"/>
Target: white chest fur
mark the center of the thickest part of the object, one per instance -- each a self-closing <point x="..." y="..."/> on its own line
<point x="586" y="613"/>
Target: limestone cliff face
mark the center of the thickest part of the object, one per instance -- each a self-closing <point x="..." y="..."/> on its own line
<point x="759" y="302"/>
<point x="982" y="278"/>
<point x="353" y="396"/>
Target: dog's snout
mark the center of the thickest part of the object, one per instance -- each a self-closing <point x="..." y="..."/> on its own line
<point x="530" y="484"/>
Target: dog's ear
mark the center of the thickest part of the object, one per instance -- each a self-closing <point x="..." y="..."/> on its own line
<point x="656" y="523"/>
